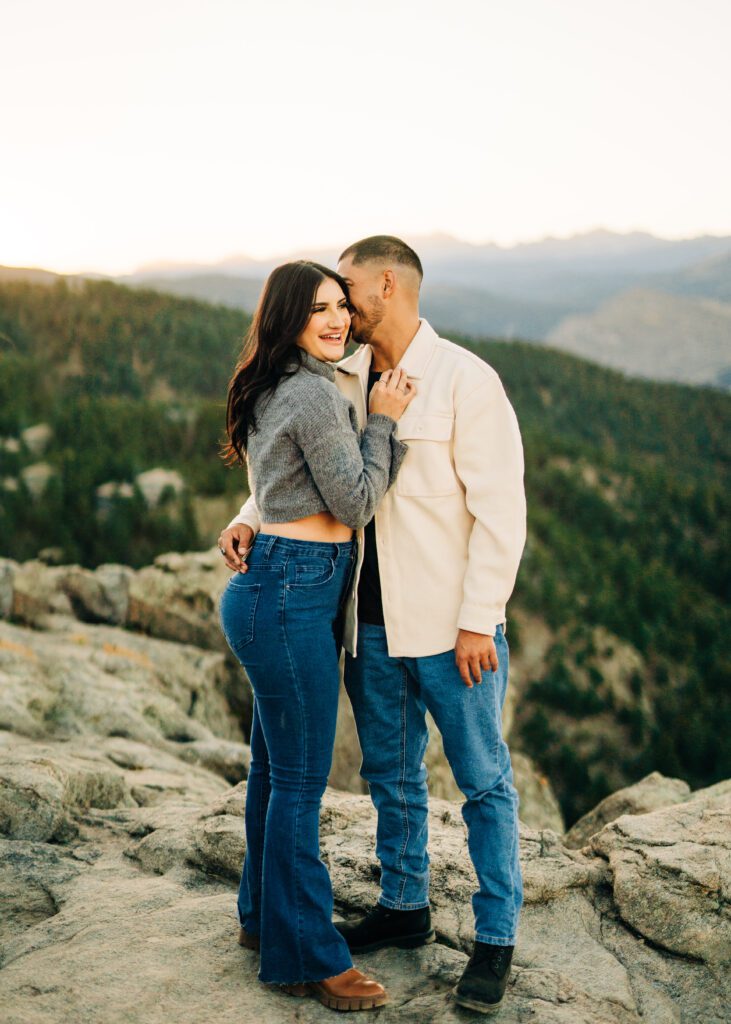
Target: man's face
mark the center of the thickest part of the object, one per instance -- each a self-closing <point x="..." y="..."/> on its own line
<point x="367" y="307"/>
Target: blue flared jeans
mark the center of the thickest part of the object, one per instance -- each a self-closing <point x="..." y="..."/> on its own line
<point x="283" y="621"/>
<point x="390" y="698"/>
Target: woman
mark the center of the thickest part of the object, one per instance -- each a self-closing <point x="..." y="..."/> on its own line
<point x="315" y="482"/>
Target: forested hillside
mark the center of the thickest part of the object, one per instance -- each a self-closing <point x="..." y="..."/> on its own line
<point x="126" y="381"/>
<point x="628" y="489"/>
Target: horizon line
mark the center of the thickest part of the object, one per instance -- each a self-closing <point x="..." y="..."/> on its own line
<point x="163" y="263"/>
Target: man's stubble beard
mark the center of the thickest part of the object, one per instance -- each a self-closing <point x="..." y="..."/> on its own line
<point x="369" y="321"/>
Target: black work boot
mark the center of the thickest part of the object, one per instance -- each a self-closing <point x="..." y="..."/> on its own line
<point x="382" y="926"/>
<point x="485" y="978"/>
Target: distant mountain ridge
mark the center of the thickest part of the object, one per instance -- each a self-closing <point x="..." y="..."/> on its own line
<point x="633" y="332"/>
<point x="637" y="250"/>
<point x="580" y="293"/>
<point x="563" y="291"/>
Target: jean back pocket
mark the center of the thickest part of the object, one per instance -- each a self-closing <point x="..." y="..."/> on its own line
<point x="237" y="613"/>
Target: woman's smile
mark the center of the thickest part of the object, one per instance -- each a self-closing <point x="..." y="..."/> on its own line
<point x="334" y="337"/>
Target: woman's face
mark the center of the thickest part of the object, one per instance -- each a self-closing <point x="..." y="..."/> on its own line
<point x="326" y="332"/>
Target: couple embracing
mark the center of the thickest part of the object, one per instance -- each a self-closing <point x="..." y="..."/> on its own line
<point x="387" y="515"/>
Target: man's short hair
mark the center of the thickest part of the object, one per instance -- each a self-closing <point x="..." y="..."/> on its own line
<point x="384" y="249"/>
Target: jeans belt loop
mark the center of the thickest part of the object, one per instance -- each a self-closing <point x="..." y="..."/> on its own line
<point x="270" y="544"/>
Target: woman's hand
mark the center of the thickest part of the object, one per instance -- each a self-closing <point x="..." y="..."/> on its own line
<point x="234" y="544"/>
<point x="392" y="394"/>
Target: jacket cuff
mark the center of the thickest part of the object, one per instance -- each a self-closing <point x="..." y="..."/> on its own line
<point x="480" y="618"/>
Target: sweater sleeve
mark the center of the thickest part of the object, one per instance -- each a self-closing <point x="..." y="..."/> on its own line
<point x="248" y="515"/>
<point x="352" y="475"/>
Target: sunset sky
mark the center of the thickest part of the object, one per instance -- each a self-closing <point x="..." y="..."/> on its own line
<point x="159" y="130"/>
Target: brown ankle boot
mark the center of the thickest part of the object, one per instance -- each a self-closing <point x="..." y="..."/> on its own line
<point x="350" y="990"/>
<point x="248" y="941"/>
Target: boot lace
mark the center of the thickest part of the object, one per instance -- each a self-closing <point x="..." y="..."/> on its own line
<point x="496" y="957"/>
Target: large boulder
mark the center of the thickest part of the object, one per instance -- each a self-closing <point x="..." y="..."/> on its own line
<point x="649" y="794"/>
<point x="103" y="680"/>
<point x="671" y="874"/>
<point x="101" y="595"/>
<point x="37" y="792"/>
<point x="177" y="598"/>
<point x="37" y="596"/>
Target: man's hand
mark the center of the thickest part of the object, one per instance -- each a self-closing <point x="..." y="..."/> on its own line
<point x="474" y="652"/>
<point x="234" y="544"/>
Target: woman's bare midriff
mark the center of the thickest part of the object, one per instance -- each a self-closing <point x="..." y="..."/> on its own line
<point x="323" y="526"/>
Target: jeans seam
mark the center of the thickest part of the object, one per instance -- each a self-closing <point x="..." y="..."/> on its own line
<point x="505" y="787"/>
<point x="496" y="718"/>
<point x="302" y="782"/>
<point x="402" y="779"/>
<point x="262" y="821"/>
<point x="511" y="861"/>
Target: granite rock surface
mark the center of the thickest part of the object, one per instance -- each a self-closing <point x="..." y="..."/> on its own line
<point x="122" y="784"/>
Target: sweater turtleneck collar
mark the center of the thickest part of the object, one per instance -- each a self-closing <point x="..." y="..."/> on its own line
<point x="315" y="365"/>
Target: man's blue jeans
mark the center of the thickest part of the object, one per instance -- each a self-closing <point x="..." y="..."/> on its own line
<point x="281" y="619"/>
<point x="390" y="698"/>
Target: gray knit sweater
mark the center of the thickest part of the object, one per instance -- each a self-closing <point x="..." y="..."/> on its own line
<point x="307" y="454"/>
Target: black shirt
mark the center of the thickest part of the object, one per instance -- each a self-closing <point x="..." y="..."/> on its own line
<point x="370" y="605"/>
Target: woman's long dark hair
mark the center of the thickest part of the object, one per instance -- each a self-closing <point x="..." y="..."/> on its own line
<point x="283" y="311"/>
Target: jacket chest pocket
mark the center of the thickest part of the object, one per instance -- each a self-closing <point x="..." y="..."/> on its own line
<point x="427" y="470"/>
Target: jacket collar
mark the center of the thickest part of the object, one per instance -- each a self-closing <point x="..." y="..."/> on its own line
<point x="414" y="359"/>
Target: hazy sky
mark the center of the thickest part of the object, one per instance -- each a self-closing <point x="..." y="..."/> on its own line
<point x="166" y="129"/>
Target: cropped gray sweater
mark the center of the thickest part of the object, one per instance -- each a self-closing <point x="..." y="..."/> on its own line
<point x="307" y="454"/>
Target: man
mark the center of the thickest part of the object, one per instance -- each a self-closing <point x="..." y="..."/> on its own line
<point x="425" y="622"/>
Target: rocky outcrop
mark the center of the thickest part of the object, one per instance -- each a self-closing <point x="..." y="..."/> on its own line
<point x="122" y="787"/>
<point x="147" y="892"/>
<point x="176" y="599"/>
<point x="104" y="681"/>
<point x="671" y="872"/>
<point x="649" y="794"/>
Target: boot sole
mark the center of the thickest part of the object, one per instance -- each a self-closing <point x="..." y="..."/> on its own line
<point x="342" y="1003"/>
<point x="475" y="1004"/>
<point x="402" y="942"/>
